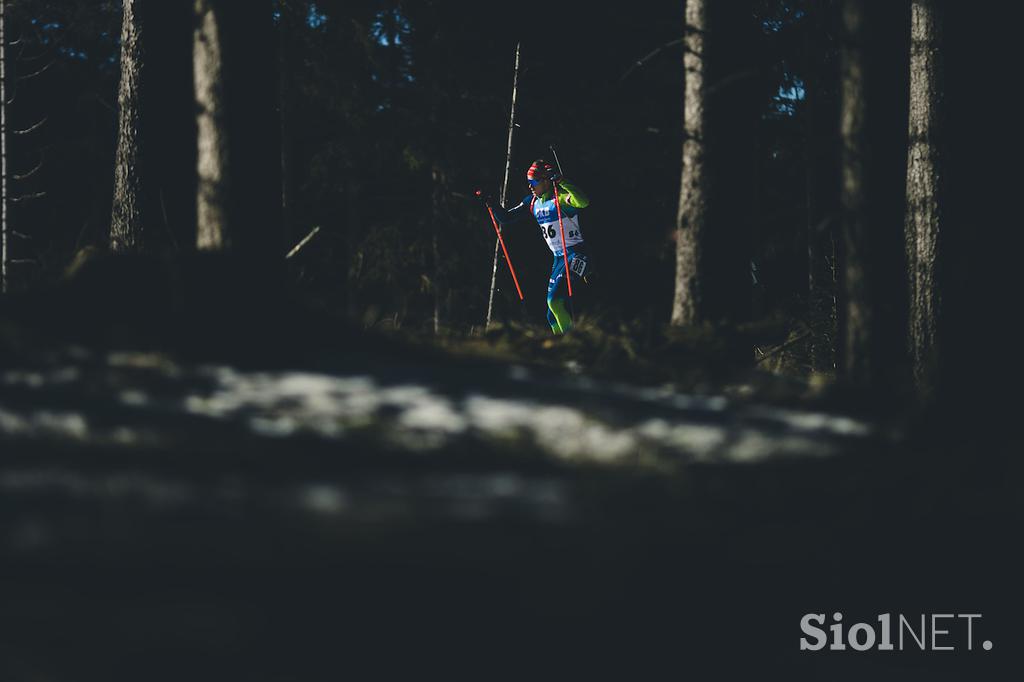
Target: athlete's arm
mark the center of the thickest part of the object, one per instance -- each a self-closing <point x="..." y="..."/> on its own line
<point x="571" y="195"/>
<point x="511" y="215"/>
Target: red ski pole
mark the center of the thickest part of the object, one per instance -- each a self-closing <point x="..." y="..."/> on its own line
<point x="494" y="221"/>
<point x="565" y="254"/>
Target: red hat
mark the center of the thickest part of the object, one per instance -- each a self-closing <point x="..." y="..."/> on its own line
<point x="540" y="170"/>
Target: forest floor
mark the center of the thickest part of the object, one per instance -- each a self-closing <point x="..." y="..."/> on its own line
<point x="324" y="502"/>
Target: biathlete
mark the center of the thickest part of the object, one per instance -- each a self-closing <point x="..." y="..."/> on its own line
<point x="540" y="203"/>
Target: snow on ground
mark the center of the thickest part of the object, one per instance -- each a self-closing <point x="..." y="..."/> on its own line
<point x="133" y="399"/>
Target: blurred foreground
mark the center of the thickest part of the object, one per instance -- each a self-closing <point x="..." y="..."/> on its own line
<point x="307" y="513"/>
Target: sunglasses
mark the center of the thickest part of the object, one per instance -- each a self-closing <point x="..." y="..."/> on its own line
<point x="533" y="182"/>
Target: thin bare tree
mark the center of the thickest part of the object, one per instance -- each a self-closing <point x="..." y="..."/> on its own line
<point x="3" y="147"/>
<point x="504" y="183"/>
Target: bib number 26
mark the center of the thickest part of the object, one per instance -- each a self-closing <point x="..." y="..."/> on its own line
<point x="551" y="232"/>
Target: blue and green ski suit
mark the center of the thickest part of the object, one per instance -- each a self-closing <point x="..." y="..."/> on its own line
<point x="545" y="212"/>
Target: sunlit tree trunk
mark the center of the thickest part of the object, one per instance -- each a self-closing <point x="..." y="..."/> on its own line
<point x="925" y="197"/>
<point x="128" y="228"/>
<point x="717" y="191"/>
<point x="214" y="162"/>
<point x="154" y="164"/>
<point x="691" y="218"/>
<point x="239" y="154"/>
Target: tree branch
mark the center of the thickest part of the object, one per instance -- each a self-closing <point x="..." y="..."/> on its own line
<point x="36" y="73"/>
<point x="787" y="344"/>
<point x="26" y="197"/>
<point x="32" y="128"/>
<point x="650" y="55"/>
<point x="25" y="176"/>
<point x="302" y="243"/>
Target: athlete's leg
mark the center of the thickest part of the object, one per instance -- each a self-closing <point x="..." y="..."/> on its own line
<point x="558" y="309"/>
<point x="553" y="321"/>
<point x="559" y="316"/>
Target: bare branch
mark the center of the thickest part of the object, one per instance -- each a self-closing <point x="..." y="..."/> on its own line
<point x="36" y="73"/>
<point x="650" y="55"/>
<point x="20" y="235"/>
<point x="302" y="243"/>
<point x="31" y="129"/>
<point x="25" y="176"/>
<point x="22" y="58"/>
<point x="26" y="197"/>
<point x="50" y="42"/>
<point x="784" y="346"/>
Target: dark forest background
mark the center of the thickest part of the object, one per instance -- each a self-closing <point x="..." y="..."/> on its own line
<point x="389" y="115"/>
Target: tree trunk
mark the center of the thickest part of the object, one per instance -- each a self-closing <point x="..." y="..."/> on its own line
<point x="854" y="192"/>
<point x="691" y="218"/>
<point x="154" y="181"/>
<point x="821" y="116"/>
<point x="213" y="161"/>
<point x="239" y="155"/>
<point x="925" y="196"/>
<point x="4" y="284"/>
<point x="127" y="226"/>
<point x="872" y="197"/>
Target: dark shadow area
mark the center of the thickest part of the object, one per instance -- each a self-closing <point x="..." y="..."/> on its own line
<point x="333" y="503"/>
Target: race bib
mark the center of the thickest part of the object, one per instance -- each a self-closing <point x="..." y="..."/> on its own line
<point x="552" y="233"/>
<point x="578" y="265"/>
